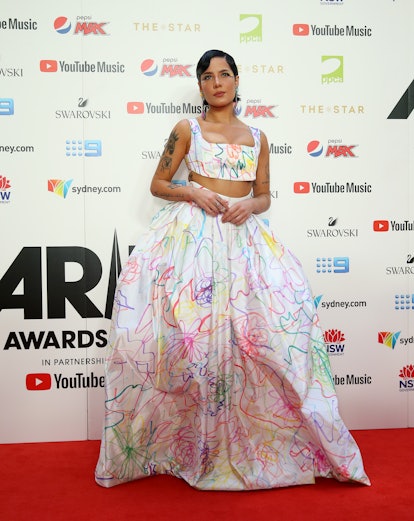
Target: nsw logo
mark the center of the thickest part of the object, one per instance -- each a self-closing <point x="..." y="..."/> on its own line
<point x="334" y="341"/>
<point x="4" y="189"/>
<point x="407" y="378"/>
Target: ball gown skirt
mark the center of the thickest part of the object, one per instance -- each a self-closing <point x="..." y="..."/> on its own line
<point x="217" y="371"/>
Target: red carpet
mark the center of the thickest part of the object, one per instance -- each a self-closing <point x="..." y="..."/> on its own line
<point x="54" y="481"/>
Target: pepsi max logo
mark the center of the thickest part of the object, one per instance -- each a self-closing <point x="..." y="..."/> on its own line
<point x="62" y="25"/>
<point x="315" y="148"/>
<point x="149" y="67"/>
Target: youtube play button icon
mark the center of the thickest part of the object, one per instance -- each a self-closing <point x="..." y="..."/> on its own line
<point x="135" y="107"/>
<point x="300" y="29"/>
<point x="301" y="187"/>
<point x="38" y="381"/>
<point x="381" y="226"/>
<point x="48" y="66"/>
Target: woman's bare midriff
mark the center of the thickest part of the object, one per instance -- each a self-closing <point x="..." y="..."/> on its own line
<point x="222" y="186"/>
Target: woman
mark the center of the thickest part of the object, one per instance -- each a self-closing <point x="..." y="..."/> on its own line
<point x="217" y="370"/>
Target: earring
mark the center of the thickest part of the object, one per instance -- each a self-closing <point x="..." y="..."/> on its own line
<point x="204" y="108"/>
<point x="236" y="109"/>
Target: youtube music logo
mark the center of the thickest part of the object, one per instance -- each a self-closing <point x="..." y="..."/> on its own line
<point x="135" y="107"/>
<point x="300" y="29"/>
<point x="38" y="381"/>
<point x="301" y="187"/>
<point x="48" y="66"/>
<point x="381" y="226"/>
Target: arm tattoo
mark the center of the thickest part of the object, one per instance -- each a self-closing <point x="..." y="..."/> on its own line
<point x="169" y="149"/>
<point x="169" y="196"/>
<point x="170" y="145"/>
<point x="165" y="163"/>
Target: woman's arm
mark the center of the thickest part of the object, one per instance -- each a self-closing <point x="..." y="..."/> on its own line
<point x="261" y="185"/>
<point x="175" y="149"/>
<point x="174" y="152"/>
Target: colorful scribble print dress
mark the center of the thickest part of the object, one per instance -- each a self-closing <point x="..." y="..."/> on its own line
<point x="217" y="371"/>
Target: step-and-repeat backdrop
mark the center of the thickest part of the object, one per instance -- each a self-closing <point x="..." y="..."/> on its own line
<point x="89" y="91"/>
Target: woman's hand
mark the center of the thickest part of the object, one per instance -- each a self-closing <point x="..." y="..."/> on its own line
<point x="209" y="201"/>
<point x="239" y="212"/>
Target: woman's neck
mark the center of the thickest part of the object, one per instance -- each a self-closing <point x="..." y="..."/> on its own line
<point x="223" y="115"/>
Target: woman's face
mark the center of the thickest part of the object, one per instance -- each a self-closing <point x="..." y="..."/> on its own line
<point x="218" y="83"/>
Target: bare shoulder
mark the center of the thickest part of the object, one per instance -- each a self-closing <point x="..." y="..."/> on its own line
<point x="182" y="128"/>
<point x="179" y="138"/>
<point x="263" y="141"/>
<point x="263" y="137"/>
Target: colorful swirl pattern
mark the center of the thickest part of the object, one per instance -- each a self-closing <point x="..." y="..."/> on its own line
<point x="222" y="161"/>
<point x="217" y="371"/>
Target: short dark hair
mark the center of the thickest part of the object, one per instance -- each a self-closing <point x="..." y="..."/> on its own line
<point x="204" y="61"/>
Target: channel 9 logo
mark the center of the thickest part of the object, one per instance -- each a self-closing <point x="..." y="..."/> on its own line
<point x="87" y="148"/>
<point x="332" y="265"/>
<point x="6" y="107"/>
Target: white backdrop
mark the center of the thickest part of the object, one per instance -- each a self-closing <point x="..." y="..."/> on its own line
<point x="89" y="91"/>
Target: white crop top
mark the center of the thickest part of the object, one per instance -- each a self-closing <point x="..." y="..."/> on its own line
<point x="222" y="161"/>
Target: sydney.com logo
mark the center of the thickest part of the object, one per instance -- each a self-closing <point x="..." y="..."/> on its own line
<point x="62" y="188"/>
